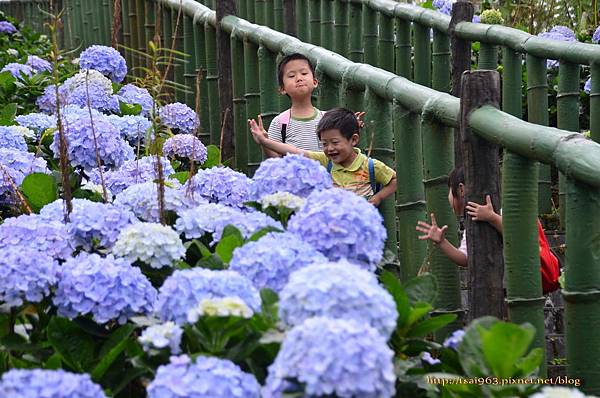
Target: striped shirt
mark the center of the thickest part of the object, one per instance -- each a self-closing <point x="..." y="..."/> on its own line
<point x="300" y="132"/>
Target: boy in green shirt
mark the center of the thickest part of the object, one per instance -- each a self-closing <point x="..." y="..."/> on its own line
<point x="338" y="132"/>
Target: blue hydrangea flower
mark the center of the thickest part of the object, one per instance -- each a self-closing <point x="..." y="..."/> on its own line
<point x="38" y="122"/>
<point x="333" y="357"/>
<point x="220" y="185"/>
<point x="17" y="69"/>
<point x="212" y="218"/>
<point x="27" y="275"/>
<point x="48" y="236"/>
<point x="151" y="243"/>
<point x="131" y="94"/>
<point x="133" y="128"/>
<point x="142" y="200"/>
<point x="107" y="288"/>
<point x="46" y="383"/>
<point x="443" y="6"/>
<point x="296" y="174"/>
<point x="18" y="164"/>
<point x="91" y="224"/>
<point x="454" y="339"/>
<point x="132" y="172"/>
<point x="7" y="28"/>
<point x="38" y="64"/>
<point x="157" y="337"/>
<point x="341" y="224"/>
<point x="426" y="357"/>
<point x="10" y="138"/>
<point x="337" y="290"/>
<point x="566" y="32"/>
<point x="180" y="117"/>
<point x="185" y="289"/>
<point x="95" y="96"/>
<point x="559" y="33"/>
<point x="112" y="150"/>
<point x="596" y="35"/>
<point x="106" y="60"/>
<point x="47" y="101"/>
<point x="269" y="261"/>
<point x="185" y="146"/>
<point x="207" y="377"/>
<point x="587" y="87"/>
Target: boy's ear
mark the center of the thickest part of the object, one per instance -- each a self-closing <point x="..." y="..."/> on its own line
<point x="281" y="90"/>
<point x="355" y="139"/>
<point x="316" y="82"/>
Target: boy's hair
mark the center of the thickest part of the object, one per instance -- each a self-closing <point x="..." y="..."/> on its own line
<point x="455" y="178"/>
<point x="341" y="119"/>
<point x="288" y="58"/>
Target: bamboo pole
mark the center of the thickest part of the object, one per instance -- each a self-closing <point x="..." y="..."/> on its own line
<point x="385" y="57"/>
<point x="488" y="56"/>
<point x="212" y="76"/>
<point x="189" y="67"/>
<point x="278" y="15"/>
<point x="327" y="36"/>
<point x="269" y="103"/>
<point x="202" y="107"/>
<point x="370" y="34"/>
<point x="251" y="71"/>
<point x="441" y="77"/>
<point x="403" y="65"/>
<point x="356" y="49"/>
<point x="141" y="30"/>
<point x="270" y="13"/>
<point x="341" y="27"/>
<point x="422" y="48"/>
<point x="260" y="12"/>
<point x="177" y="38"/>
<point x="329" y="96"/>
<point x="239" y="104"/>
<point x="315" y="22"/>
<point x="303" y="20"/>
<point x="125" y="4"/>
<point x="595" y="103"/>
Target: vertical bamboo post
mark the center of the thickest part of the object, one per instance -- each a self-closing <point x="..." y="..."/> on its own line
<point x="141" y="29"/>
<point x="269" y="103"/>
<point x="260" y="12"/>
<point x="75" y="21"/>
<point x="315" y="22"/>
<point x="403" y="49"/>
<point x="370" y="31"/>
<point x="149" y="21"/>
<point x="242" y="9"/>
<point x="167" y="41"/>
<point x="567" y="112"/>
<point x="250" y="11"/>
<point x="190" y="62"/>
<point x="385" y="57"/>
<point x="239" y="103"/>
<point x="422" y="43"/>
<point x="212" y="77"/>
<point x="378" y="124"/>
<point x="441" y="62"/>
<point x="582" y="285"/>
<point x="125" y="4"/>
<point x="270" y="13"/>
<point x="303" y="20"/>
<point x="351" y="97"/>
<point x="177" y="38"/>
<point x="102" y="22"/>
<point x="202" y="107"/>
<point x="133" y="31"/>
<point x="341" y="27"/>
<point x="108" y="18"/>
<point x="519" y="217"/>
<point x="329" y="96"/>
<point x="327" y="36"/>
<point x="278" y="24"/>
<point x="289" y="14"/>
<point x="595" y="103"/>
<point x="251" y="71"/>
<point x="87" y="27"/>
<point x="91" y="13"/>
<point x="537" y="112"/>
<point x="356" y="48"/>
<point x="488" y="56"/>
<point x="224" y="84"/>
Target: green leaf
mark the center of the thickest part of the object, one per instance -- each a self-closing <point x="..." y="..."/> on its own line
<point x="430" y="325"/>
<point x="230" y="240"/>
<point x="422" y="288"/>
<point x="262" y="232"/>
<point x="7" y="114"/>
<point x="213" y="157"/>
<point x="418" y="311"/>
<point x="469" y="350"/>
<point x="39" y="189"/>
<point x="54" y="362"/>
<point x="181" y="176"/>
<point x="76" y="347"/>
<point x="129" y="109"/>
<point x="113" y="347"/>
<point x="7" y="82"/>
<point x="392" y="284"/>
<point x="504" y="344"/>
<point x="527" y="365"/>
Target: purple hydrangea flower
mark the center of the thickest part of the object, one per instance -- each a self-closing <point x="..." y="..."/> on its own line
<point x="142" y="200"/>
<point x="46" y="383"/>
<point x="18" y="164"/>
<point x="180" y="117"/>
<point x="185" y="289"/>
<point x="332" y="357"/>
<point x="132" y="172"/>
<point x="48" y="236"/>
<point x="185" y="146"/>
<point x="133" y="128"/>
<point x="158" y="337"/>
<point x="476" y="19"/>
<point x="27" y="275"/>
<point x="559" y="33"/>
<point x="212" y="218"/>
<point x="220" y="185"/>
<point x="207" y="377"/>
<point x="454" y="339"/>
<point x="443" y="6"/>
<point x="38" y="64"/>
<point x="91" y="224"/>
<point x="341" y="224"/>
<point x="47" y="101"/>
<point x="596" y="35"/>
<point x="131" y="94"/>
<point x="587" y="87"/>
<point x="566" y="32"/>
<point x="106" y="60"/>
<point x="38" y="122"/>
<point x="17" y="69"/>
<point x="107" y="288"/>
<point x="112" y="150"/>
<point x="426" y="357"/>
<point x="7" y="28"/>
<point x="337" y="290"/>
<point x="10" y="138"/>
<point x="296" y="174"/>
<point x="94" y="95"/>
<point x="269" y="261"/>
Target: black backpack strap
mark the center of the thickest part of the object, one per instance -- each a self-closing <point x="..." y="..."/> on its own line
<point x="283" y="132"/>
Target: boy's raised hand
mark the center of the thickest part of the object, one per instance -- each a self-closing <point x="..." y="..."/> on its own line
<point x="359" y="116"/>
<point x="432" y="232"/>
<point x="258" y="131"/>
<point x="481" y="212"/>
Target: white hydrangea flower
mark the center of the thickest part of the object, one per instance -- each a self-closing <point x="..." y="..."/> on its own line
<point x="24" y="131"/>
<point x="284" y="199"/>
<point x="90" y="76"/>
<point x="559" y="392"/>
<point x="151" y="243"/>
<point x="97" y="188"/>
<point x="12" y="52"/>
<point x="160" y="336"/>
<point x="226" y="306"/>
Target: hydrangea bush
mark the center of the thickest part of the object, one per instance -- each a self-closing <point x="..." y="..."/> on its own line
<point x="341" y="224"/>
<point x="15" y="165"/>
<point x="7" y="28"/>
<point x="185" y="289"/>
<point x="46" y="383"/>
<point x="180" y="117"/>
<point x="38" y="64"/>
<point x="105" y="60"/>
<point x="38" y="122"/>
<point x="134" y="95"/>
<point x="151" y="243"/>
<point x="269" y="261"/>
<point x="107" y="288"/>
<point x="332" y="357"/>
<point x="185" y="146"/>
<point x="206" y="377"/>
<point x="220" y="185"/>
<point x="11" y="138"/>
<point x="133" y="128"/>
<point x="337" y="290"/>
<point x="17" y="70"/>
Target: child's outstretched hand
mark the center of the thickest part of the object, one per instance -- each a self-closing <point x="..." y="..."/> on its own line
<point x="359" y="116"/>
<point x="481" y="212"/>
<point x="432" y="232"/>
<point x="258" y="131"/>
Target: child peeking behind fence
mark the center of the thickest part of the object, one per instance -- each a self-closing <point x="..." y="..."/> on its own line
<point x="549" y="265"/>
<point x="339" y="132"/>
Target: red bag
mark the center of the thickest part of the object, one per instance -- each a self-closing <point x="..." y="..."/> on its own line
<point x="548" y="263"/>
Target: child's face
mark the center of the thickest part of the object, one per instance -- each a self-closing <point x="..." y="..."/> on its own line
<point x="338" y="148"/>
<point x="457" y="203"/>
<point x="298" y="80"/>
